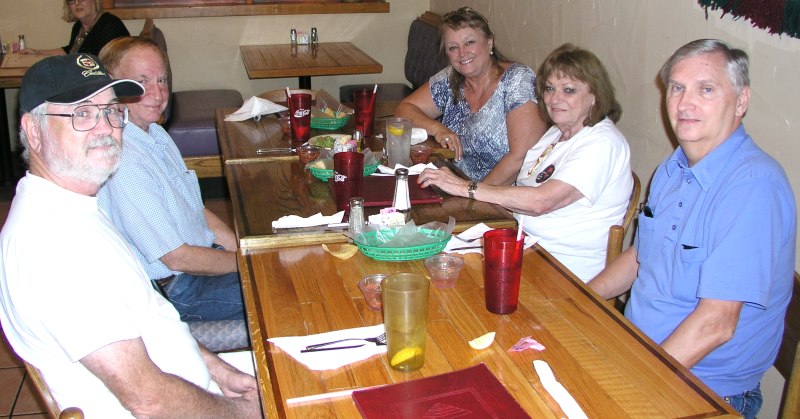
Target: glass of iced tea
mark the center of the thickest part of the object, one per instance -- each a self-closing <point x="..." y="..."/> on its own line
<point x="405" y="314"/>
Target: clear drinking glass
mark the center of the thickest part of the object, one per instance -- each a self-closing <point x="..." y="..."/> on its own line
<point x="398" y="141"/>
<point x="405" y="314"/>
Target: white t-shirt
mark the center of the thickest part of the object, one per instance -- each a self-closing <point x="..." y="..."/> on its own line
<point x="596" y="161"/>
<point x="70" y="285"/>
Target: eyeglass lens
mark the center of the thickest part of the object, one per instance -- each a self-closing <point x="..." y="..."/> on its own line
<point x="86" y="117"/>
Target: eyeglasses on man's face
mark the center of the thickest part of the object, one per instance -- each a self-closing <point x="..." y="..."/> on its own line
<point x="71" y="2"/>
<point x="86" y="117"/>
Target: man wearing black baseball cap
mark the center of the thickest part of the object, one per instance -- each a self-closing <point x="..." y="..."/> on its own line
<point x="74" y="300"/>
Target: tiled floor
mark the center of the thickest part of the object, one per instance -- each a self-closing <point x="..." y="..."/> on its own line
<point x="18" y="396"/>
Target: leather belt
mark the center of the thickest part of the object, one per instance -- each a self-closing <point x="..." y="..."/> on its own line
<point x="163" y="283"/>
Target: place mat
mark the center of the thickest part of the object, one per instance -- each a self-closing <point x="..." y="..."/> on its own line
<point x="378" y="191"/>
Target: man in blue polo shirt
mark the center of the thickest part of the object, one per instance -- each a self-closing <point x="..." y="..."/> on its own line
<point x="712" y="268"/>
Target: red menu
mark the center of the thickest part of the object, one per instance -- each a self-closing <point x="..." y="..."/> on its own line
<point x="469" y="393"/>
<point x="378" y="191"/>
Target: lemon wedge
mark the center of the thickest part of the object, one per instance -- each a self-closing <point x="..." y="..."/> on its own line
<point x="395" y="130"/>
<point x="346" y="251"/>
<point x="405" y="354"/>
<point x="482" y="342"/>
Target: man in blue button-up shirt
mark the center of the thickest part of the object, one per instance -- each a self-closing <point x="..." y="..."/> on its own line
<point x="712" y="268"/>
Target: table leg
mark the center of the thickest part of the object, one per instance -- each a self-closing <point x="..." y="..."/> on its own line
<point x="6" y="165"/>
<point x="305" y="82"/>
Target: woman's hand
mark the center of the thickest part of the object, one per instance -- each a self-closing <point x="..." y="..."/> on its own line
<point x="450" y="140"/>
<point x="445" y="180"/>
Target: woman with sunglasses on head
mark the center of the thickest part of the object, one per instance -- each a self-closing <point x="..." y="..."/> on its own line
<point x="92" y="30"/>
<point x="576" y="181"/>
<point x="487" y="104"/>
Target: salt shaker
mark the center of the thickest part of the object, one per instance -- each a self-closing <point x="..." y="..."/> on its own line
<point x="293" y="36"/>
<point x="314" y="38"/>
<point x="358" y="137"/>
<point x="401" y="201"/>
<point x="21" y="42"/>
<point x="356" y="221"/>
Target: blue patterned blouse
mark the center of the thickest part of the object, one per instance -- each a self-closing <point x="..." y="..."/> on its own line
<point x="483" y="134"/>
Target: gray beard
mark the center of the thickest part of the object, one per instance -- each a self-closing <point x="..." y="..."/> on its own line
<point x="82" y="170"/>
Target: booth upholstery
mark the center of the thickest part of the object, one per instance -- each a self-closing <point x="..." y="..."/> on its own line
<point x="422" y="61"/>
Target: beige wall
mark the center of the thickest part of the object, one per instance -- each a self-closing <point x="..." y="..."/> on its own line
<point x="204" y="51"/>
<point x="634" y="38"/>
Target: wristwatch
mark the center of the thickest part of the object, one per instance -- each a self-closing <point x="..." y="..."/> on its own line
<point x="471" y="188"/>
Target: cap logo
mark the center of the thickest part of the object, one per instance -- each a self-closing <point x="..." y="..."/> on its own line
<point x="92" y="68"/>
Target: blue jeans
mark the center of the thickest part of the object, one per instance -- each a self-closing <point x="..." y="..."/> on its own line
<point x="207" y="297"/>
<point x="747" y="403"/>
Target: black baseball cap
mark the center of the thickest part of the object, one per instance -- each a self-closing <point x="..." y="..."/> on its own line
<point x="69" y="79"/>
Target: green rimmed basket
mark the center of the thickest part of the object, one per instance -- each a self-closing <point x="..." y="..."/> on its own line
<point x="329" y="124"/>
<point x="325" y="174"/>
<point x="370" y="246"/>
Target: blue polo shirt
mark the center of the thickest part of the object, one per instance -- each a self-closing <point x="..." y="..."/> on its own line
<point x="723" y="229"/>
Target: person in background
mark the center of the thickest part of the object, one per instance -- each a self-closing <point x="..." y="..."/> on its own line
<point x="487" y="104"/>
<point x="154" y="200"/>
<point x="92" y="30"/>
<point x="576" y="181"/>
<point x="74" y="301"/>
<point x="712" y="267"/>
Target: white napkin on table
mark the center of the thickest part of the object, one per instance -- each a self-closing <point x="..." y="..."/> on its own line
<point x="418" y="135"/>
<point x="473" y="232"/>
<point x="293" y="221"/>
<point x="328" y="360"/>
<point x="413" y="170"/>
<point x="557" y="391"/>
<point x="254" y="108"/>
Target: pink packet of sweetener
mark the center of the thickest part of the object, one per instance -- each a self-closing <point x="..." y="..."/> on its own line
<point x="525" y="343"/>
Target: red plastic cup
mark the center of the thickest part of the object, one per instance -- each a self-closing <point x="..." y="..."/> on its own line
<point x="348" y="171"/>
<point x="502" y="267"/>
<point x="300" y="116"/>
<point x="364" y="113"/>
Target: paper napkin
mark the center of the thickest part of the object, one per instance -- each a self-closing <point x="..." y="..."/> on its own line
<point x="418" y="135"/>
<point x="328" y="360"/>
<point x="557" y="391"/>
<point x="476" y="246"/>
<point x="413" y="170"/>
<point x="293" y="221"/>
<point x="254" y="108"/>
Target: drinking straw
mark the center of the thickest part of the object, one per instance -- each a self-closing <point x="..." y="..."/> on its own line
<point x="519" y="227"/>
<point x="289" y="100"/>
<point x="372" y="99"/>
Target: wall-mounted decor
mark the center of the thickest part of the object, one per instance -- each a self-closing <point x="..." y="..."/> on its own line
<point x="776" y="16"/>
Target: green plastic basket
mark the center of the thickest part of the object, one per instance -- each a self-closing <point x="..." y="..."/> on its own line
<point x="325" y="174"/>
<point x="329" y="124"/>
<point x="370" y="246"/>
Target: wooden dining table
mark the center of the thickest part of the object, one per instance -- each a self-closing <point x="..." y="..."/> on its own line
<point x="264" y="188"/>
<point x="610" y="368"/>
<point x="304" y="61"/>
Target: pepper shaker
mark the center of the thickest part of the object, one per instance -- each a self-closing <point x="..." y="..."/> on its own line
<point x="314" y="38"/>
